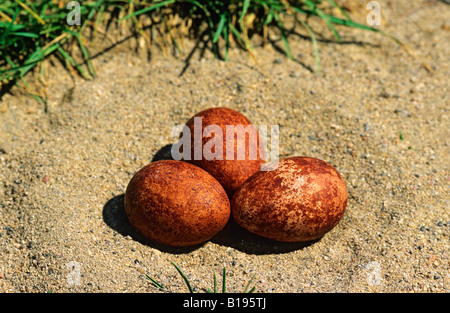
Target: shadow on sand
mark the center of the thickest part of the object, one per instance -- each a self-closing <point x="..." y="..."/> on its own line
<point x="232" y="235"/>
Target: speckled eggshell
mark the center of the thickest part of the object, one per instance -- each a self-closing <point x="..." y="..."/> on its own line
<point x="230" y="173"/>
<point x="301" y="200"/>
<point x="176" y="203"/>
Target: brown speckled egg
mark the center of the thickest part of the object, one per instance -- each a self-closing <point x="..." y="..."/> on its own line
<point x="176" y="203"/>
<point x="231" y="172"/>
<point x="300" y="200"/>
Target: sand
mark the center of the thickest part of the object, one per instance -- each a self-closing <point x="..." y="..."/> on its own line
<point x="373" y="111"/>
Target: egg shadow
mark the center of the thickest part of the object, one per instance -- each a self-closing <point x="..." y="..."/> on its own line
<point x="232" y="235"/>
<point x="165" y="153"/>
<point x="235" y="236"/>
<point x="115" y="217"/>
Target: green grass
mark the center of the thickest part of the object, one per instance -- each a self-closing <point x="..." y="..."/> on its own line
<point x="160" y="286"/>
<point x="31" y="31"/>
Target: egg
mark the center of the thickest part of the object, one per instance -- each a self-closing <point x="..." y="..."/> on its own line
<point x="301" y="199"/>
<point x="176" y="203"/>
<point x="227" y="145"/>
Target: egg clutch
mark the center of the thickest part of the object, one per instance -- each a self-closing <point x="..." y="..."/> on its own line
<point x="187" y="201"/>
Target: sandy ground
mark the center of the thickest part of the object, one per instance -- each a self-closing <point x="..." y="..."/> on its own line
<point x="373" y="112"/>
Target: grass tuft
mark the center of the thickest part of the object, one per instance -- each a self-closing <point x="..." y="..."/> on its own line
<point x="31" y="31"/>
<point x="189" y="286"/>
<point x="186" y="280"/>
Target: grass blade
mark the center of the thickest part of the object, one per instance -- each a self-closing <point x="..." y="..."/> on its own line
<point x="227" y="41"/>
<point x="334" y="4"/>
<point x="248" y="285"/>
<point x="25" y="34"/>
<point x="283" y="36"/>
<point x="215" y="285"/>
<point x="154" y="282"/>
<point x="6" y="17"/>
<point x="237" y="35"/>
<point x="220" y="27"/>
<point x="150" y="8"/>
<point x="313" y="38"/>
<point x="209" y="21"/>
<point x="186" y="280"/>
<point x="32" y="61"/>
<point x="84" y="51"/>
<point x="312" y="6"/>
<point x="314" y="41"/>
<point x="350" y="23"/>
<point x="269" y="18"/>
<point x="72" y="62"/>
<point x="224" y="274"/>
<point x="29" y="10"/>
<point x="245" y="7"/>
<point x="10" y="26"/>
